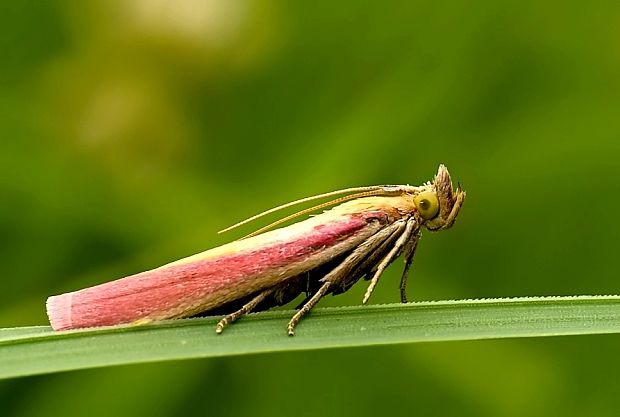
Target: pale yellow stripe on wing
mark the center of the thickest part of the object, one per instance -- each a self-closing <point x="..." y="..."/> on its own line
<point x="294" y="231"/>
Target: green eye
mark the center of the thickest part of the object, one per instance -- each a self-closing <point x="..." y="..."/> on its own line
<point x="427" y="204"/>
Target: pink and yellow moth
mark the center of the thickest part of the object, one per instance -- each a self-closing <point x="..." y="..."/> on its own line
<point x="368" y="228"/>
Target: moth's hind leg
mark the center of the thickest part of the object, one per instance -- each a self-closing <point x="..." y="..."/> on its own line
<point x="276" y="295"/>
<point x="245" y="309"/>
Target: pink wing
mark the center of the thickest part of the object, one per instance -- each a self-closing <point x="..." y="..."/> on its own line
<point x="217" y="276"/>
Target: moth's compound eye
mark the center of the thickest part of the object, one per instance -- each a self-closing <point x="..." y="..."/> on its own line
<point x="427" y="204"/>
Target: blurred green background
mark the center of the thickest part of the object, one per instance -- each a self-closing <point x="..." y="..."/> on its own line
<point x="130" y="132"/>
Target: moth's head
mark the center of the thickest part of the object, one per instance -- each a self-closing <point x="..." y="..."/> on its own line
<point x="437" y="203"/>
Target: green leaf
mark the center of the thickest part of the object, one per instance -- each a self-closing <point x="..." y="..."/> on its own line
<point x="38" y="350"/>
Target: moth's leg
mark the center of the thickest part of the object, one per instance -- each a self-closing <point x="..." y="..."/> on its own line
<point x="307" y="307"/>
<point x="385" y="238"/>
<point x="247" y="308"/>
<point x="411" y="228"/>
<point x="342" y="270"/>
<point x="409" y="252"/>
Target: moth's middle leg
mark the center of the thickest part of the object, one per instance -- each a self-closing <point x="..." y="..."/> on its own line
<point x="340" y="273"/>
<point x="410" y="230"/>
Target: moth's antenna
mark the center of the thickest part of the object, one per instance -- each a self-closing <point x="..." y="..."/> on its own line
<point x="314" y="208"/>
<point x="358" y="192"/>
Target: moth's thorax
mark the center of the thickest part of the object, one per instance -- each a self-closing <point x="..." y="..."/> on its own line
<point x="395" y="207"/>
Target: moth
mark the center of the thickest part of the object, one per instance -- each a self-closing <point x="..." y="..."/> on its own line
<point x="366" y="229"/>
